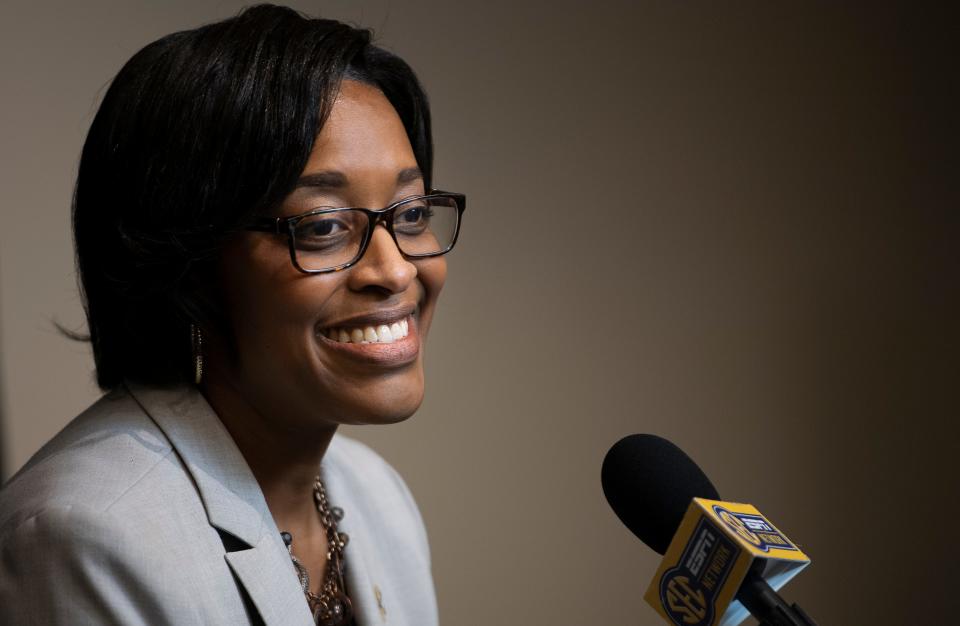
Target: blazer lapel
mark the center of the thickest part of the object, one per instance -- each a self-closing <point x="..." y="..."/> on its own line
<point x="232" y="498"/>
<point x="271" y="583"/>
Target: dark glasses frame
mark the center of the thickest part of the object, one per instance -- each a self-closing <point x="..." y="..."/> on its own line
<point x="288" y="225"/>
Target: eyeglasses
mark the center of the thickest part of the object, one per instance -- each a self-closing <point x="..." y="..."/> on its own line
<point x="333" y="239"/>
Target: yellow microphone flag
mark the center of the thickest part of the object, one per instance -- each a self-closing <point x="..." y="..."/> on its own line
<point x="714" y="547"/>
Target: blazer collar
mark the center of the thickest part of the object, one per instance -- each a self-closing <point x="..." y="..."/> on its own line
<point x="232" y="498"/>
<point x="230" y="493"/>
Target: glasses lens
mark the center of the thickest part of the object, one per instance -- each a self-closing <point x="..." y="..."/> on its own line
<point x="330" y="239"/>
<point x="426" y="225"/>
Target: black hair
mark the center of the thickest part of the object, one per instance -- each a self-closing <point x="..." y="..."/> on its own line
<point x="199" y="131"/>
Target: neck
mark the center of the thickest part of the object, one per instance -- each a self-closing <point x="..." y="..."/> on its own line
<point x="285" y="461"/>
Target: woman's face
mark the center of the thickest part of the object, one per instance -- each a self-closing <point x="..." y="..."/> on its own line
<point x="287" y="366"/>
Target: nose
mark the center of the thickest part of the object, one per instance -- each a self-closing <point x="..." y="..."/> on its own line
<point x="382" y="265"/>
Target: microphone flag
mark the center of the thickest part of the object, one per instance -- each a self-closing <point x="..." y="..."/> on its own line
<point x="713" y="549"/>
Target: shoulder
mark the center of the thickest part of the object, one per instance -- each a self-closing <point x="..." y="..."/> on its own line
<point x="358" y="462"/>
<point x="59" y="543"/>
<point x="388" y="546"/>
<point x="359" y="478"/>
<point x="76" y="564"/>
<point x="96" y="459"/>
<point x="104" y="525"/>
<point x="368" y="474"/>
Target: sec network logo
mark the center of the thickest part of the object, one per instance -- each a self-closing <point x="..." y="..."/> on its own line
<point x="754" y="529"/>
<point x="685" y="603"/>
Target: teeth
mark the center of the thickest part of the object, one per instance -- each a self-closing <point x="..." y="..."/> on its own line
<point x="370" y="334"/>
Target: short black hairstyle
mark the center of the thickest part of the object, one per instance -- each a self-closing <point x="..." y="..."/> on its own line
<point x="199" y="131"/>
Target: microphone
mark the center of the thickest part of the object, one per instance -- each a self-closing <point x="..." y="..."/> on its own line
<point x="720" y="557"/>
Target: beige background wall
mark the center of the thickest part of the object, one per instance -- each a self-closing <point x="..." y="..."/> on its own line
<point x="731" y="224"/>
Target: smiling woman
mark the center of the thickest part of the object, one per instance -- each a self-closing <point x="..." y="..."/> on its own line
<point x="261" y="254"/>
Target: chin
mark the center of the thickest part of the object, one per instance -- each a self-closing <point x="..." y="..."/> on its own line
<point x="383" y="420"/>
<point x="386" y="403"/>
<point x="396" y="408"/>
<point x="384" y="414"/>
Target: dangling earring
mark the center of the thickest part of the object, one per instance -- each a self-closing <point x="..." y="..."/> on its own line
<point x="196" y="339"/>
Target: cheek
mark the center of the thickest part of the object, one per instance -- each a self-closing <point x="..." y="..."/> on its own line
<point x="432" y="274"/>
<point x="272" y="305"/>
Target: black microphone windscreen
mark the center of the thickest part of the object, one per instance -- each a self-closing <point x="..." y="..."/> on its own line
<point x="649" y="483"/>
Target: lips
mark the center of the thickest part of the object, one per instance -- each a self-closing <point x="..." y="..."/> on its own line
<point x="388" y="337"/>
<point x="373" y="318"/>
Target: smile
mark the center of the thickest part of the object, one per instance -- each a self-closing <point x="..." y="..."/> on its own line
<point x="391" y="341"/>
<point x="382" y="333"/>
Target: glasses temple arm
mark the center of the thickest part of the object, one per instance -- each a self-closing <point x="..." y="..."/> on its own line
<point x="266" y="225"/>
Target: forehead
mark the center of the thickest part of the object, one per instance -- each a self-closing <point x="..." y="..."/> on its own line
<point x="362" y="136"/>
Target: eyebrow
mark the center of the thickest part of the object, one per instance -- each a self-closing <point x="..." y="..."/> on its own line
<point x="333" y="179"/>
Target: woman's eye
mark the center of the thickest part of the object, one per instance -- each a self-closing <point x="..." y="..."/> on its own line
<point x="322" y="232"/>
<point x="416" y="216"/>
<point x="323" y="228"/>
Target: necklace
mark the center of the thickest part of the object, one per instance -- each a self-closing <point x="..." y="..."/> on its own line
<point x="331" y="607"/>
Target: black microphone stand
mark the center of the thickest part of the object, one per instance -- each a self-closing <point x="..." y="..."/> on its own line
<point x="766" y="604"/>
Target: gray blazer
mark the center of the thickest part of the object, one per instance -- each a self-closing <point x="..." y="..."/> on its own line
<point x="143" y="511"/>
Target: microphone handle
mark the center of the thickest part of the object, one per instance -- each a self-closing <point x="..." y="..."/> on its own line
<point x="766" y="605"/>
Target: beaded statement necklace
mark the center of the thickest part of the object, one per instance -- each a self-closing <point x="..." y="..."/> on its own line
<point x="331" y="607"/>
